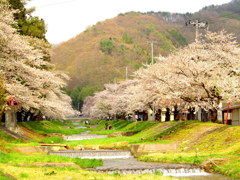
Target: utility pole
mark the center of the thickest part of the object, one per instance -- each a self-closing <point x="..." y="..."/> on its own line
<point x="198" y="24"/>
<point x="151" y="42"/>
<point x="196" y="35"/>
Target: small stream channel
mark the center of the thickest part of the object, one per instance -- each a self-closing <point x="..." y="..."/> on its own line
<point x="122" y="162"/>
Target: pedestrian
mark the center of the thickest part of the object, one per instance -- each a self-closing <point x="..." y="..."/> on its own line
<point x="106" y="126"/>
<point x="136" y="117"/>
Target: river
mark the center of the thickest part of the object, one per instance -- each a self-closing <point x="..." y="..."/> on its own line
<point x="122" y="162"/>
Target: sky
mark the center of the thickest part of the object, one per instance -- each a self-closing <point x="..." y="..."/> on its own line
<point x="67" y="18"/>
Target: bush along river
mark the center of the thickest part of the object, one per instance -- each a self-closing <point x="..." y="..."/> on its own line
<point x="122" y="162"/>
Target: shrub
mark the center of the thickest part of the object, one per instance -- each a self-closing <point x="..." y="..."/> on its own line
<point x="126" y="38"/>
<point x="106" y="46"/>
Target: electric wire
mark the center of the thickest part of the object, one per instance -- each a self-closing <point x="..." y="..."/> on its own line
<point x="56" y="3"/>
<point x="210" y="20"/>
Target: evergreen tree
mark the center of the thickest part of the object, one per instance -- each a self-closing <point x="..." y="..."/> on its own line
<point x="106" y="45"/>
<point x="27" y="25"/>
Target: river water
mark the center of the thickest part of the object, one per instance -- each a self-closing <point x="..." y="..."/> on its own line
<point x="122" y="162"/>
<point x="132" y="166"/>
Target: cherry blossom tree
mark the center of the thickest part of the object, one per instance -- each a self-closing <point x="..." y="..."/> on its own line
<point x="28" y="77"/>
<point x="202" y="74"/>
<point x="112" y="102"/>
<point x="98" y="106"/>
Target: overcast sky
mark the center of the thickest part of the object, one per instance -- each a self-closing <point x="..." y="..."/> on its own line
<point x="67" y="18"/>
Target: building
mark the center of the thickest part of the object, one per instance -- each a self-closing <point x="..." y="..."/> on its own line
<point x="233" y="116"/>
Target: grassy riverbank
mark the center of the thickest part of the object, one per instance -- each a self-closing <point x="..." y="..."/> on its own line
<point x="44" y="127"/>
<point x="121" y="126"/>
<point x="43" y="173"/>
<point x="214" y="146"/>
<point x="30" y="160"/>
<point x="11" y="159"/>
<point x="143" y="133"/>
<point x="15" y="165"/>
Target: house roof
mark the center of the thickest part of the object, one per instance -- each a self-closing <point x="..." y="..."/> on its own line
<point x="235" y="106"/>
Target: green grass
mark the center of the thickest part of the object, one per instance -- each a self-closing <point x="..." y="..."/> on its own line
<point x="7" y="138"/>
<point x="50" y="127"/>
<point x="2" y="177"/>
<point x="149" y="134"/>
<point x="116" y="124"/>
<point x="231" y="168"/>
<point x="121" y="126"/>
<point x="186" y="158"/>
<point x="199" y="142"/>
<point x="15" y="158"/>
<point x="24" y="175"/>
<point x="50" y="173"/>
<point x="112" y="140"/>
<point x="52" y="140"/>
<point x="203" y="141"/>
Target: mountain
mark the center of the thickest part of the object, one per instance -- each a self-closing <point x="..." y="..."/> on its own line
<point x="101" y="53"/>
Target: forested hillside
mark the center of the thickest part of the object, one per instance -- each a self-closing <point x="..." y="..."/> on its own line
<point x="101" y="53"/>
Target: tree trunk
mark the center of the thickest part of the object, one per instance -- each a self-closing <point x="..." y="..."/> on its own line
<point x="11" y="119"/>
<point x="191" y="115"/>
<point x="213" y="115"/>
<point x="204" y="115"/>
<point x="144" y="116"/>
<point x="158" y="115"/>
<point x="168" y="115"/>
<point x="176" y="113"/>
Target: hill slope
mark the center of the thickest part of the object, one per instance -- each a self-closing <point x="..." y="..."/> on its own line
<point x="103" y="51"/>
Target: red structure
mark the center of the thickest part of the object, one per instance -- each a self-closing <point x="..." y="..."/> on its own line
<point x="11" y="102"/>
<point x="228" y="109"/>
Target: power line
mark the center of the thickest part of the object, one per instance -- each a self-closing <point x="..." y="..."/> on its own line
<point x="227" y="16"/>
<point x="56" y="3"/>
<point x="212" y="20"/>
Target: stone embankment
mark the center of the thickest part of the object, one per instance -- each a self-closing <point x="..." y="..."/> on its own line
<point x="94" y="154"/>
<point x="140" y="149"/>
